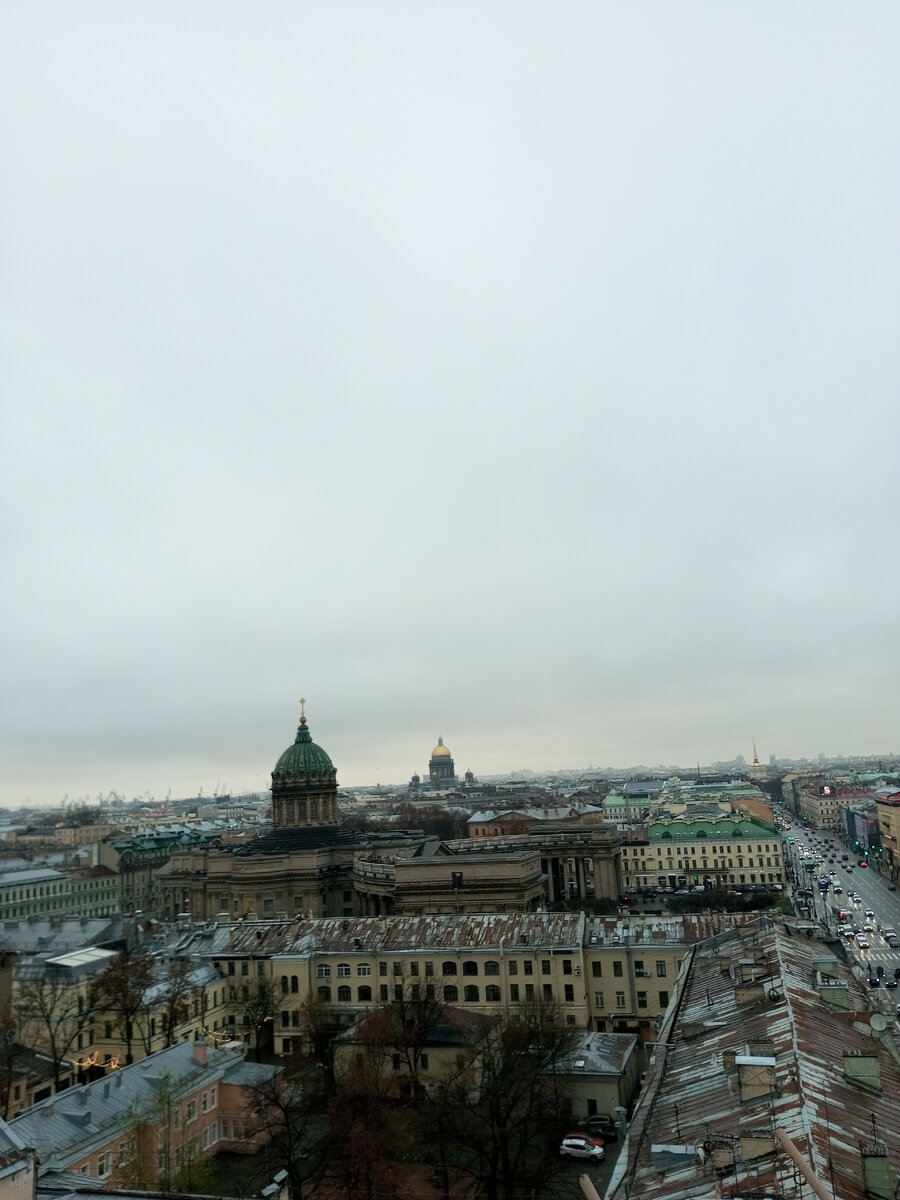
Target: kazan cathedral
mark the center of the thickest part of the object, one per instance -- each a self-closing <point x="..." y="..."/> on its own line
<point x="302" y="867"/>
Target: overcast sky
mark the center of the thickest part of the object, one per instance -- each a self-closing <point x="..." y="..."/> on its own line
<point x="521" y="373"/>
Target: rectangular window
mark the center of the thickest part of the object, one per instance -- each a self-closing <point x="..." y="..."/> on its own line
<point x="212" y="1097"/>
<point x="191" y="1111"/>
<point x="176" y="1119"/>
<point x="617" y="969"/>
<point x="567" y="966"/>
<point x="414" y="968"/>
<point x="598" y="1000"/>
<point x="204" y="1102"/>
<point x="570" y="993"/>
<point x="529" y="991"/>
<point x="663" y="999"/>
<point x="597" y="970"/>
<point x="660" y="969"/>
<point x="382" y="968"/>
<point x="245" y="968"/>
<point x="548" y="991"/>
<point x="514" y="993"/>
<point x="545" y="966"/>
<point x="363" y="969"/>
<point x="383" y="992"/>
<point x="528" y="967"/>
<point x="642" y="999"/>
<point x="423" y="1061"/>
<point x="397" y="969"/>
<point x="429" y="968"/>
<point x="298" y="902"/>
<point x="513" y="967"/>
<point x="620" y="999"/>
<point x="268" y="906"/>
<point x="104" y="1164"/>
<point x="398" y="991"/>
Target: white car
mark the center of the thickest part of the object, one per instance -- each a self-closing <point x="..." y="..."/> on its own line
<point x="579" y="1145"/>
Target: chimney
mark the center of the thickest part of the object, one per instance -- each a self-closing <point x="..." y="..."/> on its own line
<point x="200" y="1051"/>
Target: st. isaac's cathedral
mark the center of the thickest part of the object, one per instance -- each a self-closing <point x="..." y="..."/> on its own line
<point x="310" y="865"/>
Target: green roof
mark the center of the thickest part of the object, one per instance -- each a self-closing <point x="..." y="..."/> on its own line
<point x="302" y="759"/>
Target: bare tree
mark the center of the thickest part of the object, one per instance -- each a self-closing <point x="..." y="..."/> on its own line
<point x="498" y="1116"/>
<point x="122" y="989"/>
<point x="176" y="997"/>
<point x="53" y="1014"/>
<point x="291" y="1108"/>
<point x="257" y="1010"/>
<point x="8" y="1055"/>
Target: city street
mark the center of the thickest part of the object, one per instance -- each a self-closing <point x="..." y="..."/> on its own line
<point x="870" y="885"/>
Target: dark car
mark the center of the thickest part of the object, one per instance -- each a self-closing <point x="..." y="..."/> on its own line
<point x="600" y="1127"/>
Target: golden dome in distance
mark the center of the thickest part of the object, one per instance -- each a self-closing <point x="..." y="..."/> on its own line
<point x="440" y="750"/>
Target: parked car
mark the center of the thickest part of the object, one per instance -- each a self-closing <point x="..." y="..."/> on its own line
<point x="600" y="1127"/>
<point x="579" y="1145"/>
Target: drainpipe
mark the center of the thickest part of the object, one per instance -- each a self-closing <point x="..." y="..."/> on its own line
<point x="802" y="1165"/>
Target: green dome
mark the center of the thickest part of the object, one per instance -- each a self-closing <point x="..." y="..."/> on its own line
<point x="302" y="759"/>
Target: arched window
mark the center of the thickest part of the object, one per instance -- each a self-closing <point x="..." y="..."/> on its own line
<point x="470" y="967"/>
<point x="448" y="968"/>
<point x="491" y="967"/>
<point x="665" y="834"/>
<point x="295" y="985"/>
<point x="343" y="970"/>
<point x="344" y="994"/>
<point x="451" y="993"/>
<point x="492" y="992"/>
<point x="364" y="993"/>
<point x="325" y="993"/>
<point x="701" y="833"/>
<point x="284" y="985"/>
<point x="471" y="993"/>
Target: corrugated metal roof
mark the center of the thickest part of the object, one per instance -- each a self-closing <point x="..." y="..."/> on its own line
<point x="698" y="1091"/>
<point x="470" y="932"/>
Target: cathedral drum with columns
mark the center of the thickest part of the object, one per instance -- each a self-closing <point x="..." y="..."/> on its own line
<point x="441" y="771"/>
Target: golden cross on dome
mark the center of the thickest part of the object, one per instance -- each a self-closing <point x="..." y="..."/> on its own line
<point x="302" y="711"/>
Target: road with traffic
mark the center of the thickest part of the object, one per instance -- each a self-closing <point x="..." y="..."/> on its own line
<point x="867" y="883"/>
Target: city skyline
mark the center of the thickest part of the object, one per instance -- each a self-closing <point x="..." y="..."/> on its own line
<point x="523" y="376"/>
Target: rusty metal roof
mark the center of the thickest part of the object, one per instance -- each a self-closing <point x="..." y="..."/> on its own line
<point x="752" y="998"/>
<point x="470" y="932"/>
